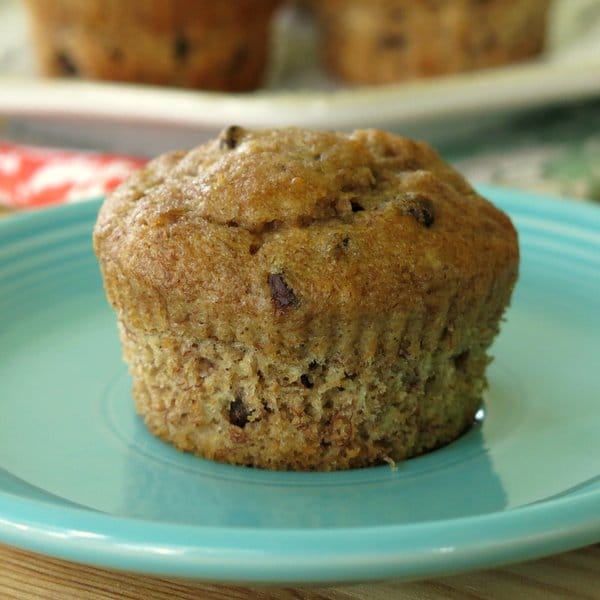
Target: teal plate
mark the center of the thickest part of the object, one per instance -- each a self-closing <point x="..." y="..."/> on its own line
<point x="82" y="479"/>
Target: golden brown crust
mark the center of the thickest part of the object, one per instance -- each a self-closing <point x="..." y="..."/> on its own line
<point x="338" y="287"/>
<point x="384" y="41"/>
<point x="190" y="43"/>
<point x="235" y="211"/>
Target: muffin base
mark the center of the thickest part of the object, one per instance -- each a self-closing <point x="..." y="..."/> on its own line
<point x="386" y="397"/>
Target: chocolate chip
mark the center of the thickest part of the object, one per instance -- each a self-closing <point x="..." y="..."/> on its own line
<point x="116" y="55"/>
<point x="489" y="41"/>
<point x="237" y="60"/>
<point x="271" y="226"/>
<point x="391" y="41"/>
<point x="238" y="413"/>
<point x="356" y="207"/>
<point x="461" y="360"/>
<point x="306" y="382"/>
<point x="181" y="47"/>
<point x="340" y="248"/>
<point x="282" y="295"/>
<point x="66" y="64"/>
<point x="419" y="207"/>
<point x="230" y="137"/>
<point x="397" y="14"/>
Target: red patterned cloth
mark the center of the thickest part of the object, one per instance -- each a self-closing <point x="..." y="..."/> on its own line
<point x="33" y="177"/>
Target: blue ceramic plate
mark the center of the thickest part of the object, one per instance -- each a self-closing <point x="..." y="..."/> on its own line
<point x="80" y="477"/>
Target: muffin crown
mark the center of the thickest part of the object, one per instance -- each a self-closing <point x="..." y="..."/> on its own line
<point x="301" y="224"/>
<point x="264" y="180"/>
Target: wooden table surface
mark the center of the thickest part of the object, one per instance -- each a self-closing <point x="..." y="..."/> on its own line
<point x="572" y="575"/>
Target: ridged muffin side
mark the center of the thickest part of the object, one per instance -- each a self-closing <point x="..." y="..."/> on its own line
<point x="293" y="299"/>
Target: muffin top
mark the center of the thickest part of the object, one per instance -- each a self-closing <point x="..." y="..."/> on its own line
<point x="289" y="225"/>
<point x="157" y="15"/>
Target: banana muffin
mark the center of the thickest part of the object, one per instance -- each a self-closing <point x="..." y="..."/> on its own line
<point x="294" y="299"/>
<point x="189" y="43"/>
<point x="384" y="41"/>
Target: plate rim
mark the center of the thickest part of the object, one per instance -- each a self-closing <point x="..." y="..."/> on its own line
<point x="280" y="555"/>
<point x="519" y="86"/>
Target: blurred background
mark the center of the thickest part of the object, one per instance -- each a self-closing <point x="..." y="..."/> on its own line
<point x="511" y="97"/>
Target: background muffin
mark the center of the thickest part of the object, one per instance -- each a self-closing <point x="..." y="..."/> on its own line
<point x="383" y="41"/>
<point x="294" y="299"/>
<point x="191" y="43"/>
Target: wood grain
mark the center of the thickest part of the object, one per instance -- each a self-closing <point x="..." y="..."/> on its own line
<point x="573" y="575"/>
